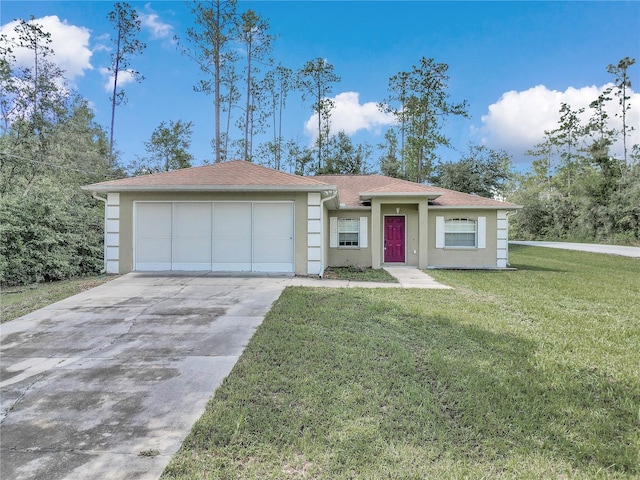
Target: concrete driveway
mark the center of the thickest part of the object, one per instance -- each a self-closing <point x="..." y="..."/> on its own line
<point x="107" y="384"/>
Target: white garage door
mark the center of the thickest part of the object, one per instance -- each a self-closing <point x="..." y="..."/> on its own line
<point x="218" y="236"/>
<point x="273" y="237"/>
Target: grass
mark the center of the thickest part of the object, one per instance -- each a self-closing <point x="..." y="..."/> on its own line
<point x="18" y="301"/>
<point x="527" y="374"/>
<point x="359" y="274"/>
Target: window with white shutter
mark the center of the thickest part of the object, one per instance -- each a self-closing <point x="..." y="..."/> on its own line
<point x="348" y="232"/>
<point x="333" y="232"/>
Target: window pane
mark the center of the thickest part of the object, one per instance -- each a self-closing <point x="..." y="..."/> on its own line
<point x="349" y="225"/>
<point x="460" y="225"/>
<point x="460" y="232"/>
<point x="460" y="239"/>
<point x="348" y="239"/>
<point x="348" y="232"/>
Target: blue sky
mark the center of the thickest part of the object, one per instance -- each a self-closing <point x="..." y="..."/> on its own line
<point x="514" y="62"/>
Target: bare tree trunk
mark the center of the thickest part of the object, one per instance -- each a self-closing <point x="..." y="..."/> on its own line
<point x="247" y="112"/>
<point x="29" y="185"/>
<point x="226" y="137"/>
<point x="217" y="47"/>
<point x="279" y="140"/>
<point x="319" y="129"/>
<point x="113" y="99"/>
<point x="250" y="137"/>
<point x="624" y="121"/>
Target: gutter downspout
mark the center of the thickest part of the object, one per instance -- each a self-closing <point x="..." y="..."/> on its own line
<point x="104" y="236"/>
<point x="322" y="230"/>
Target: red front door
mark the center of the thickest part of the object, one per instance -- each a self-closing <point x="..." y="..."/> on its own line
<point x="393" y="239"/>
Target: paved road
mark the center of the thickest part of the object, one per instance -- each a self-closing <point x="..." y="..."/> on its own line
<point x="587" y="247"/>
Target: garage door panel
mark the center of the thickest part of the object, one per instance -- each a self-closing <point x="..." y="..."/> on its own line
<point x="192" y="250"/>
<point x="153" y="236"/>
<point x="231" y="267"/>
<point x="272" y="220"/>
<point x="232" y="236"/>
<point x="192" y="236"/>
<point x="153" y="254"/>
<point x="232" y="219"/>
<point x="192" y="219"/>
<point x="272" y="252"/>
<point x="232" y="250"/>
<point x="273" y="237"/>
<point x="153" y="219"/>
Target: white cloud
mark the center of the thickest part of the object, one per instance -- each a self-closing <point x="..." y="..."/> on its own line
<point x="151" y="21"/>
<point x="69" y="43"/>
<point x="124" y="77"/>
<point x="101" y="47"/>
<point x="518" y="120"/>
<point x="102" y="43"/>
<point x="350" y="116"/>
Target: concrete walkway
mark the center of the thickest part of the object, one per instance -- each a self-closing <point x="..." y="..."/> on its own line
<point x="633" y="252"/>
<point x="408" y="277"/>
<point x="412" y="277"/>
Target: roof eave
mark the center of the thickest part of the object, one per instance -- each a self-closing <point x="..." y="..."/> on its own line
<point x="475" y="207"/>
<point x="352" y="207"/>
<point x="370" y="195"/>
<point x="324" y="189"/>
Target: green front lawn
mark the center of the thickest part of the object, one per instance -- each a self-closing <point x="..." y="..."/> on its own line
<point x="359" y="274"/>
<point x="18" y="301"/>
<point x="527" y="374"/>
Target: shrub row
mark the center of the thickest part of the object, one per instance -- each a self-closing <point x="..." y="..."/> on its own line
<point x="49" y="236"/>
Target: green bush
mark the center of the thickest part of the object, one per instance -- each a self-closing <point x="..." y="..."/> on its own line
<point x="49" y="235"/>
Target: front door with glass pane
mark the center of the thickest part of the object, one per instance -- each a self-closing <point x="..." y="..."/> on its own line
<point x="394" y="239"/>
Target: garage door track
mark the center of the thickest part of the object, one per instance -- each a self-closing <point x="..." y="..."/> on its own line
<point x="106" y="384"/>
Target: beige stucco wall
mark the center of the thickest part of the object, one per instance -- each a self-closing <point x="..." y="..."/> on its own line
<point x="347" y="256"/>
<point x="463" y="257"/>
<point x="126" y="217"/>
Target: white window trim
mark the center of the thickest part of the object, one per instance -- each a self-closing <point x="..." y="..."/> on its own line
<point x="341" y="229"/>
<point x="475" y="232"/>
<point x="363" y="233"/>
<point x="480" y="233"/>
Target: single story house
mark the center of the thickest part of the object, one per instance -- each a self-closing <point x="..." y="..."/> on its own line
<point x="239" y="216"/>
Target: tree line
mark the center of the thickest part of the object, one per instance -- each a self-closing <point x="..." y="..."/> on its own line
<point x="50" y="143"/>
<point x="576" y="188"/>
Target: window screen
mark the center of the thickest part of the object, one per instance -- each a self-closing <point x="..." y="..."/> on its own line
<point x="460" y="232"/>
<point x="348" y="232"/>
